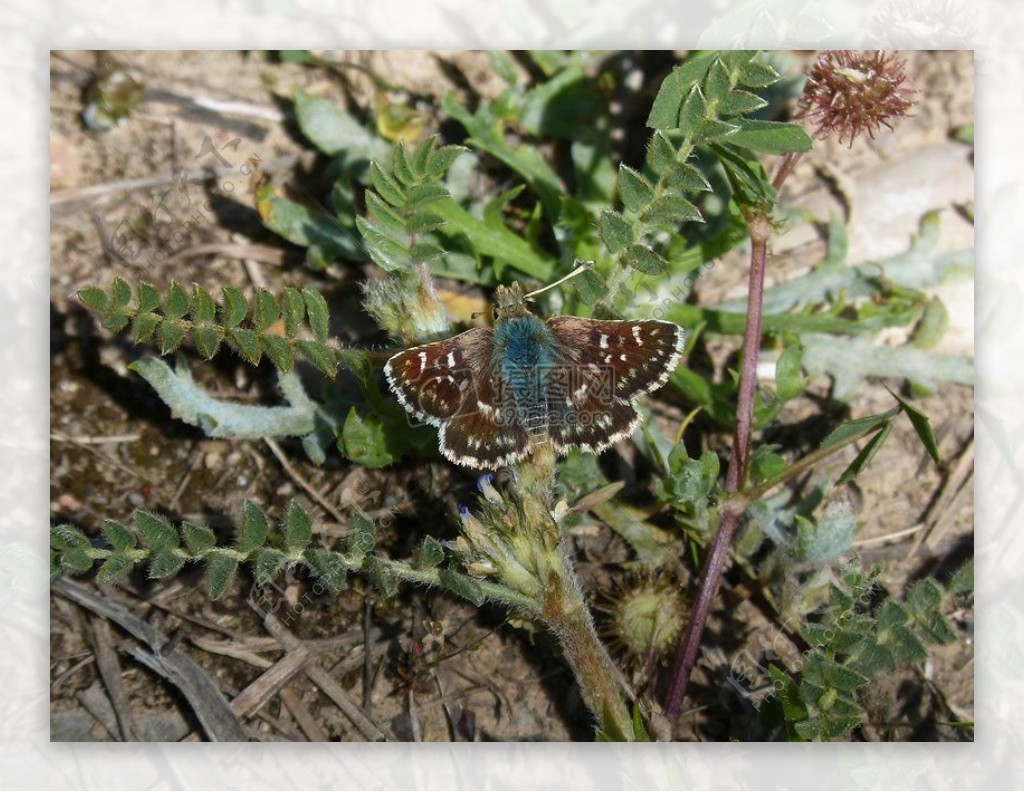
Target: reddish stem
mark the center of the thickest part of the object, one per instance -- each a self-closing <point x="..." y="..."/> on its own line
<point x="759" y="226"/>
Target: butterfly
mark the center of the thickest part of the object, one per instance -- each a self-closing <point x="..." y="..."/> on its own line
<point x="496" y="393"/>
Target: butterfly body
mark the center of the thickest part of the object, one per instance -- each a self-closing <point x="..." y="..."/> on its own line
<point x="496" y="394"/>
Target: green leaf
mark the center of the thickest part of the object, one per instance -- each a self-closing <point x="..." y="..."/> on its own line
<point x="328" y="566"/>
<point x="297" y="528"/>
<point x="116" y="320"/>
<point x="924" y="595"/>
<point x="295" y="56"/>
<point x="400" y="166"/>
<point x="266" y="310"/>
<point x="386" y="187"/>
<point x="177" y="301"/>
<point x="157" y="533"/>
<point x="363" y="536"/>
<point x="590" y="287"/>
<point x="148" y="297"/>
<point x="278" y="350"/>
<point x="463" y="586"/>
<point x="364" y="440"/>
<point x="253" y="530"/>
<point x="143" y="327"/>
<point x="390" y="255"/>
<point x="755" y="74"/>
<point x="789" y="379"/>
<point x="683" y="177"/>
<point x="615" y="232"/>
<point x="739" y="102"/>
<point x="503" y="65"/>
<point x="319" y="355"/>
<point x="863" y="459"/>
<point x="221" y="567"/>
<point x="171" y="334"/>
<point x="268" y="562"/>
<point x="247" y="342"/>
<point x="207" y="341"/>
<point x="661" y="154"/>
<point x="962" y="581"/>
<point x="166" y="563"/>
<point x="118" y="535"/>
<point x="309" y="227"/>
<point x="115" y="568"/>
<point x="293" y="309"/>
<point x="673" y="210"/>
<point x="316" y="309"/>
<point x="645" y="260"/>
<point x="234" y="307"/>
<point x="337" y="133"/>
<point x="770" y="137"/>
<point x="425" y="194"/>
<point x="921" y="425"/>
<point x="858" y="427"/>
<point x="765" y="463"/>
<point x="93" y="298"/>
<point x="635" y="190"/>
<point x="430" y="554"/>
<point x="383" y="578"/>
<point x="205" y="309"/>
<point x="121" y="294"/>
<point x="198" y="538"/>
<point x="676" y="88"/>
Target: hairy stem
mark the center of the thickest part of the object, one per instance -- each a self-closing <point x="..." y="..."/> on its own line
<point x="759" y="226"/>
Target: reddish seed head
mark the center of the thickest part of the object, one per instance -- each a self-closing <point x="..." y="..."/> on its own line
<point x="849" y="92"/>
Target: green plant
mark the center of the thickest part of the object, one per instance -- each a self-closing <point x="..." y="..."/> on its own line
<point x="653" y="228"/>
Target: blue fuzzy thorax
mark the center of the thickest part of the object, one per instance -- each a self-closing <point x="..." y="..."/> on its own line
<point x="524" y="352"/>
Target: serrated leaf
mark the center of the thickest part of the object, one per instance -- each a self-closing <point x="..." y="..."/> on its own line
<point x="268" y="562"/>
<point x="329" y="568"/>
<point x="247" y="342"/>
<point x="424" y="252"/>
<point x="221" y="567"/>
<point x="319" y="355"/>
<point x="383" y="578"/>
<point x="266" y="310"/>
<point x="178" y="303"/>
<point x="363" y="535"/>
<point x="683" y="177"/>
<point x="673" y="210"/>
<point x="463" y="586"/>
<point x="770" y="137"/>
<point x="442" y="159"/>
<point x="293" y="309"/>
<point x="121" y="293"/>
<point x="739" y="102"/>
<point x="635" y="190"/>
<point x="253" y="529"/>
<point x="431" y="553"/>
<point x="590" y="287"/>
<point x="279" y="351"/>
<point x="157" y="533"/>
<point x="198" y="538"/>
<point x="166" y="563"/>
<point x="616" y="232"/>
<point x="645" y="260"/>
<point x="661" y="154"/>
<point x="207" y="341"/>
<point x="425" y="194"/>
<point x="204" y="306"/>
<point x="144" y="326"/>
<point x="364" y="440"/>
<point x="296" y="528"/>
<point x="93" y="298"/>
<point x="115" y="568"/>
<point x="170" y="335"/>
<point x="755" y="74"/>
<point x="148" y="297"/>
<point x="385" y="219"/>
<point x="119" y="536"/>
<point x="386" y="187"/>
<point x="400" y="167"/>
<point x="234" y="307"/>
<point x="424" y="222"/>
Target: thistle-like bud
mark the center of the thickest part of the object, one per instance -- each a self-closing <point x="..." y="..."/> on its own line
<point x="646" y="616"/>
<point x="407" y="306"/>
<point x="849" y="92"/>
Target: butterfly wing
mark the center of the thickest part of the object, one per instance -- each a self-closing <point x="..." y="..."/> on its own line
<point x="604" y="366"/>
<point x="452" y="384"/>
<point x="639" y="355"/>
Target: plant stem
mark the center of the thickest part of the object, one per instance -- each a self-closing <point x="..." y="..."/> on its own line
<point x="759" y="226"/>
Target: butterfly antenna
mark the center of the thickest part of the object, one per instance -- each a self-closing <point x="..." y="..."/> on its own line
<point x="583" y="267"/>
